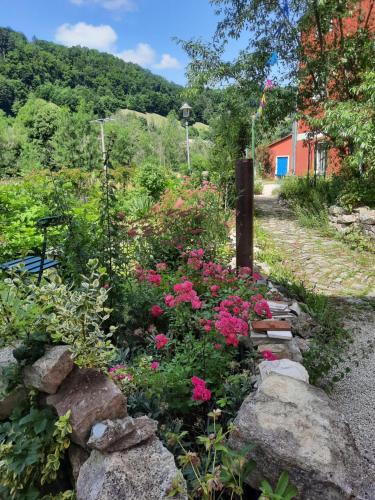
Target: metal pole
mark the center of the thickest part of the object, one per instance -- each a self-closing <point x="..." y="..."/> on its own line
<point x="244" y="213"/>
<point x="294" y="146"/>
<point x="253" y="141"/>
<point x="102" y="142"/>
<point x="188" y="146"/>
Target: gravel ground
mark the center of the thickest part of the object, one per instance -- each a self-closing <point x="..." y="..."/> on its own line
<point x="354" y="396"/>
<point x="346" y="278"/>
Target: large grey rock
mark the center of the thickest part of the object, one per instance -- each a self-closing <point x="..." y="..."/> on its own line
<point x="283" y="367"/>
<point x="367" y="216"/>
<point x="6" y="356"/>
<point x="91" y="396"/>
<point x="121" y="434"/>
<point x="295" y="428"/>
<point x="48" y="372"/>
<point x="347" y="219"/>
<point x="146" y="472"/>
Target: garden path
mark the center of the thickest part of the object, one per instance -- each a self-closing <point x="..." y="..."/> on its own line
<point x="347" y="277"/>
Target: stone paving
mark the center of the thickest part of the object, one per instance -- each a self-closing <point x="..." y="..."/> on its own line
<point x="347" y="277"/>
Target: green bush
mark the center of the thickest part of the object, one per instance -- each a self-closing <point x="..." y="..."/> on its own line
<point x="153" y="178"/>
<point x="258" y="186"/>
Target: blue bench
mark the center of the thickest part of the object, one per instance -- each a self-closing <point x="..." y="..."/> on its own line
<point x="34" y="264"/>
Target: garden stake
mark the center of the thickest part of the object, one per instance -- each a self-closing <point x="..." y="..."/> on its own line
<point x="244" y="213"/>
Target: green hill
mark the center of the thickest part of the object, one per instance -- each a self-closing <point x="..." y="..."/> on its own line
<point x="68" y="76"/>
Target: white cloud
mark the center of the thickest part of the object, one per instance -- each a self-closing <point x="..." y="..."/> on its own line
<point x="108" y="4"/>
<point x="100" y="37"/>
<point x="143" y="54"/>
<point x="168" y="62"/>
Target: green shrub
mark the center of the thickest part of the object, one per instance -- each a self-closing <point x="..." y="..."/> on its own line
<point x="153" y="178"/>
<point x="32" y="445"/>
<point x="258" y="186"/>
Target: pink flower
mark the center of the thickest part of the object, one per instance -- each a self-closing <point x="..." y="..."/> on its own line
<point x="218" y="346"/>
<point x="269" y="356"/>
<point x="154" y="278"/>
<point x="257" y="276"/>
<point x="197" y="381"/>
<point x="169" y="301"/>
<point x="160" y="341"/>
<point x="207" y="328"/>
<point x="154" y="365"/>
<point x="214" y="289"/>
<point x="156" y="311"/>
<point x="200" y="391"/>
<point x="161" y="266"/>
<point x="261" y="308"/>
<point x="118" y="372"/>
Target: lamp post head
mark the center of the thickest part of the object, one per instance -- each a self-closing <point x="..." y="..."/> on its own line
<point x="186" y="110"/>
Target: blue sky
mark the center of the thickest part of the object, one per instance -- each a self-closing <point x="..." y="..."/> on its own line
<point x="140" y="31"/>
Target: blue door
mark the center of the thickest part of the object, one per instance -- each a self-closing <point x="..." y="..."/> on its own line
<point x="282" y="166"/>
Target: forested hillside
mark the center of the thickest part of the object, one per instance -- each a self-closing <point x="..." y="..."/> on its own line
<point x="66" y="76"/>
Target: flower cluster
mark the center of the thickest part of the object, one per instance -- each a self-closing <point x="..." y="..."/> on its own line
<point x="160" y="341"/>
<point x="118" y="372"/>
<point x="200" y="391"/>
<point x="184" y="292"/>
<point x="232" y="319"/>
<point x="148" y="275"/>
<point x="195" y="259"/>
<point x="206" y="323"/>
<point x="261" y="307"/>
<point x="156" y="311"/>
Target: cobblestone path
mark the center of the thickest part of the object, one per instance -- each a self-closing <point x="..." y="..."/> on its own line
<point x="347" y="277"/>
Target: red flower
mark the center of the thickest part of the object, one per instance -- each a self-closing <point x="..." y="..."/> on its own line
<point x="169" y="300"/>
<point x="160" y="341"/>
<point x="156" y="311"/>
<point x="200" y="391"/>
<point x="269" y="356"/>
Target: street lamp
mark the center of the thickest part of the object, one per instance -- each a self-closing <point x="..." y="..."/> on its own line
<point x="186" y="111"/>
<point x="101" y="122"/>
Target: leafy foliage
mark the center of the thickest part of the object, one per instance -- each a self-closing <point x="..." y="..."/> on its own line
<point x="32" y="444"/>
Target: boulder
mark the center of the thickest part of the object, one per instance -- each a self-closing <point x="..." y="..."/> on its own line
<point x="119" y="435"/>
<point x="347" y="219"/>
<point x="304" y="325"/>
<point x="285" y="350"/>
<point x="77" y="457"/>
<point x="294" y="427"/>
<point x="367" y="216"/>
<point x="146" y="472"/>
<point x="284" y="367"/>
<point x="336" y="210"/>
<point x="9" y="399"/>
<point x="92" y="397"/>
<point x="6" y="356"/>
<point x="48" y="372"/>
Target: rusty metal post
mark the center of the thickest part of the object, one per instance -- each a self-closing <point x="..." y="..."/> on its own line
<point x="244" y="213"/>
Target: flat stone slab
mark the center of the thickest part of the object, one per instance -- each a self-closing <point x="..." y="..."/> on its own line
<point x="284" y="367"/>
<point x="270" y="324"/>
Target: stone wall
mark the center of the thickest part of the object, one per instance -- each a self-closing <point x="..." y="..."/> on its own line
<point x="362" y="218"/>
